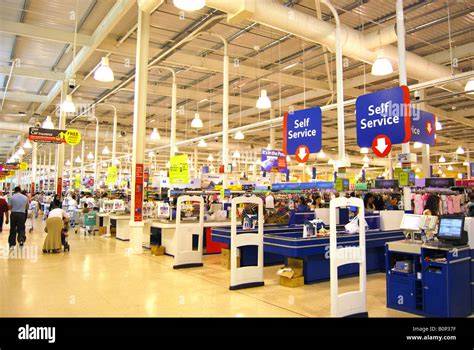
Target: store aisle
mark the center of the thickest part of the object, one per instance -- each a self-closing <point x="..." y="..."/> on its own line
<point x="99" y="278"/>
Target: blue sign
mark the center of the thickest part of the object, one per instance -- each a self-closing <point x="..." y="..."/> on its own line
<point x="273" y="161"/>
<point x="386" y="113"/>
<point x="294" y="186"/>
<point x="422" y="127"/>
<point x="302" y="128"/>
<point x="471" y="166"/>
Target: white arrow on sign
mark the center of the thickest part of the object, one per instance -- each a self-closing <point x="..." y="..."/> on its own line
<point x="302" y="152"/>
<point x="381" y="145"/>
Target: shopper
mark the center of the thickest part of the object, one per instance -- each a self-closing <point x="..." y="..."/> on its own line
<point x="317" y="201"/>
<point x="369" y="203"/>
<point x="54" y="227"/>
<point x="432" y="206"/>
<point x="302" y="206"/>
<point x="55" y="203"/>
<point x="3" y="211"/>
<point x="392" y="203"/>
<point x="470" y="206"/>
<point x="269" y="201"/>
<point x="18" y="205"/>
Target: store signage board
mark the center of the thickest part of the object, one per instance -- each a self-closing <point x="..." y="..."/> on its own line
<point x="465" y="183"/>
<point x="302" y="154"/>
<point x="23" y="166"/>
<point x="111" y="175"/>
<point x="341" y="184"/>
<point x="406" y="178"/>
<point x="302" y="128"/>
<point x="273" y="161"/>
<point x="71" y="137"/>
<point x="439" y="182"/>
<point x="295" y="186"/>
<point x="360" y="187"/>
<point x="138" y="205"/>
<point x="386" y="184"/>
<point x="383" y="119"/>
<point x="471" y="167"/>
<point x="179" y="172"/>
<point x="422" y="127"/>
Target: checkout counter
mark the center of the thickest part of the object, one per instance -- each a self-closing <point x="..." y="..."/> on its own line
<point x="430" y="277"/>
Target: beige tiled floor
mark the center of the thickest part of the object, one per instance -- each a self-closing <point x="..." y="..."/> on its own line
<point x="98" y="278"/>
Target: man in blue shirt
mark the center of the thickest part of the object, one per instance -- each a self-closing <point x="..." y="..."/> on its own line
<point x="18" y="205"/>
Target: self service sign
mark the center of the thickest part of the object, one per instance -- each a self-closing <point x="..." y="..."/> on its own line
<point x="302" y="131"/>
<point x="422" y="126"/>
<point x="383" y="119"/>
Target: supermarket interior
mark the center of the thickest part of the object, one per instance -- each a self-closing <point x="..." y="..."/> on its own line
<point x="237" y="158"/>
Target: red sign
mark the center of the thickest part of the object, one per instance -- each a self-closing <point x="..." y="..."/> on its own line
<point x="60" y="186"/>
<point x="429" y="128"/>
<point x="465" y="183"/>
<point x="381" y="145"/>
<point x="302" y="154"/>
<point x="138" y="205"/>
<point x="32" y="187"/>
<point x="281" y="163"/>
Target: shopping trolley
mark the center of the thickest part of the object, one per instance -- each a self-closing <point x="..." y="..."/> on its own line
<point x="89" y="223"/>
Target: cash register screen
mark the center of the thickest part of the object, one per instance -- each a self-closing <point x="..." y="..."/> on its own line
<point x="411" y="222"/>
<point x="450" y="228"/>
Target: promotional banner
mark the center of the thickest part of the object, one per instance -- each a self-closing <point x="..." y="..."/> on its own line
<point x="422" y="127"/>
<point x="179" y="171"/>
<point x="71" y="137"/>
<point x="111" y="175"/>
<point x="383" y="119"/>
<point x="77" y="181"/>
<point x="23" y="166"/>
<point x="386" y="184"/>
<point x="439" y="182"/>
<point x="302" y="132"/>
<point x="138" y="205"/>
<point x="341" y="184"/>
<point x="273" y="161"/>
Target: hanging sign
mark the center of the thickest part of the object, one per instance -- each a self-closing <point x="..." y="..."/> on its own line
<point x="360" y="186"/>
<point x="383" y="119"/>
<point x="386" y="184"/>
<point x="23" y="166"/>
<point x="111" y="175"/>
<point x="302" y="154"/>
<point x="406" y="178"/>
<point x="422" y="126"/>
<point x="471" y="168"/>
<point x="179" y="171"/>
<point x="138" y="205"/>
<point x="72" y="137"/>
<point x="341" y="184"/>
<point x="273" y="161"/>
<point x="302" y="130"/>
<point x="77" y="181"/>
<point x="439" y="182"/>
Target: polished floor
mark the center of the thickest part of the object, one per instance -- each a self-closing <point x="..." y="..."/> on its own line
<point x="99" y="278"/>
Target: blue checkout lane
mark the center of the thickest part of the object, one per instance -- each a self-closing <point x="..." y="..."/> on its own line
<point x="282" y="242"/>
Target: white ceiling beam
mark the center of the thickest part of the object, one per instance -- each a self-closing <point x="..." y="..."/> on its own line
<point x="44" y="33"/>
<point x="22" y="97"/>
<point x="35" y="73"/>
<point x="113" y="17"/>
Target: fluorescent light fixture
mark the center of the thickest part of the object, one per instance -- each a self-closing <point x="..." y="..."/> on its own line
<point x="382" y="65"/>
<point x="197" y="122"/>
<point x="263" y="101"/>
<point x="105" y="150"/>
<point x="90" y="156"/>
<point x="450" y="167"/>
<point x="290" y="66"/>
<point x="202" y="143"/>
<point x="469" y="87"/>
<point x="48" y="123"/>
<point x="239" y="135"/>
<point x="364" y="150"/>
<point x="442" y="159"/>
<point x="189" y="5"/>
<point x="27" y="144"/>
<point x="68" y="106"/>
<point x="78" y="159"/>
<point x="104" y="72"/>
<point x="460" y="150"/>
<point x="210" y="158"/>
<point x="155" y="135"/>
<point x="417" y="144"/>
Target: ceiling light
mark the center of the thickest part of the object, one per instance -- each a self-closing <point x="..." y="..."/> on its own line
<point x="450" y="167"/>
<point x="105" y="150"/>
<point x="117" y="162"/>
<point x="417" y="170"/>
<point x="366" y="165"/>
<point x="365" y="159"/>
<point x="104" y="165"/>
<point x="440" y="171"/>
<point x="399" y="165"/>
<point x="439" y="126"/>
<point x="330" y="161"/>
<point x="258" y="161"/>
<point x="104" y="72"/>
<point x="21" y="151"/>
<point x="263" y="101"/>
<point x="68" y="106"/>
<point x="469" y="87"/>
<point x="78" y="160"/>
<point x="239" y="135"/>
<point x="288" y="158"/>
<point x="176" y="150"/>
<point x="382" y="65"/>
<point x="189" y="5"/>
<point x="151" y="154"/>
<point x="28" y="145"/>
<point x="90" y="156"/>
<point x="202" y="143"/>
<point x="417" y="144"/>
<point x="460" y="150"/>
<point x="442" y="159"/>
<point x="465" y="163"/>
<point x="68" y="162"/>
<point x="459" y="175"/>
<point x="197" y="122"/>
<point x="251" y="167"/>
<point x="155" y="135"/>
<point x="48" y="123"/>
<point x="443" y="175"/>
<point x="236" y="154"/>
<point x="168" y="164"/>
<point x="290" y="66"/>
<point x="210" y="158"/>
<point x="321" y="154"/>
<point x="364" y="150"/>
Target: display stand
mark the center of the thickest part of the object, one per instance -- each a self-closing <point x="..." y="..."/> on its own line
<point x="186" y="254"/>
<point x="351" y="304"/>
<point x="246" y="276"/>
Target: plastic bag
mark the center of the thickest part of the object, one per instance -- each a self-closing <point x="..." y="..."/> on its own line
<point x="353" y="225"/>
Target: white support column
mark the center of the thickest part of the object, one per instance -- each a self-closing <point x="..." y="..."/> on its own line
<point x="83" y="159"/>
<point x="60" y="156"/>
<point x="139" y="127"/>
<point x="402" y="69"/>
<point x="225" y="116"/>
<point x="48" y="173"/>
<point x="70" y="167"/>
<point x="34" y="161"/>
<point x="96" y="155"/>
<point x="195" y="165"/>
